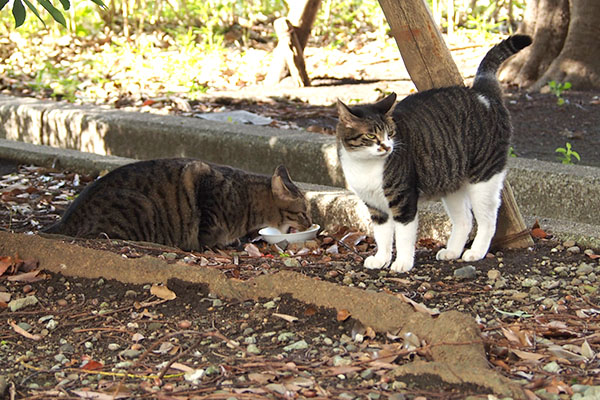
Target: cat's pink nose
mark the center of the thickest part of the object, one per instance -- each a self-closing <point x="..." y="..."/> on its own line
<point x="384" y="148"/>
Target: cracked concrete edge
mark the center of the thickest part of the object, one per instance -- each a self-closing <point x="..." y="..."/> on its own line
<point x="542" y="189"/>
<point x="330" y="206"/>
<point x="453" y="337"/>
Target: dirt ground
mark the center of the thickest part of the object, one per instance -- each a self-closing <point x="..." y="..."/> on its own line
<point x="537" y="311"/>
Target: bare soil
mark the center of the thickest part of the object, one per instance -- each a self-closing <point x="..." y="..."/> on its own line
<point x="536" y="311"/>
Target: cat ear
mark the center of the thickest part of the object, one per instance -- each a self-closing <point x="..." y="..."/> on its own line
<point x="345" y="114"/>
<point x="282" y="186"/>
<point x="386" y="105"/>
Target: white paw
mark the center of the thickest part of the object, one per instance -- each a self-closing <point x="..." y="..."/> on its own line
<point x="472" y="255"/>
<point x="402" y="264"/>
<point x="373" y="262"/>
<point x="446" y="254"/>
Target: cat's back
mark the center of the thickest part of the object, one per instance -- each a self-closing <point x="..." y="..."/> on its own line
<point x="138" y="201"/>
<point x="452" y="135"/>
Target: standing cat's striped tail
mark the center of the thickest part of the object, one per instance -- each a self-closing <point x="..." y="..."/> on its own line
<point x="485" y="79"/>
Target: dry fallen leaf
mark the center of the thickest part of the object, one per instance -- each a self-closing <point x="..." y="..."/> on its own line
<point x="23" y="332"/>
<point x="163" y="292"/>
<point x="528" y="356"/>
<point x="288" y="318"/>
<point x="31" y="276"/>
<point x="418" y="306"/>
<point x="252" y="250"/>
<point x="343" y="315"/>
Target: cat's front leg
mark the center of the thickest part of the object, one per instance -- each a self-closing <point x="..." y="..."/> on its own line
<point x="383" y="231"/>
<point x="406" y="238"/>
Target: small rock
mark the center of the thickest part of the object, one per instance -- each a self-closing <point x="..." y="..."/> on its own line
<point x="253" y="349"/>
<point x="285" y="336"/>
<point x="131" y="353"/>
<point x="269" y="305"/>
<point x="569" y="243"/>
<point x="466" y="272"/>
<point x="154" y="326"/>
<point x="67" y="348"/>
<point x="493" y="274"/>
<point x="25" y="326"/>
<point x="574" y="250"/>
<point x="340" y="361"/>
<point x="529" y="282"/>
<point x="184" y="324"/>
<point x="169" y="256"/>
<point x="584" y="269"/>
<point x="299" y="345"/>
<point x="291" y="262"/>
<point x="18" y="304"/>
<point x="62" y="302"/>
<point x="113" y="346"/>
<point x="130" y="293"/>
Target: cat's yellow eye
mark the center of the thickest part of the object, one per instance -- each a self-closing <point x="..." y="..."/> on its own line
<point x="370" y="136"/>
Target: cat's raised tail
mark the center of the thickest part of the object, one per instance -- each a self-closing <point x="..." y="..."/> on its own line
<point x="485" y="79"/>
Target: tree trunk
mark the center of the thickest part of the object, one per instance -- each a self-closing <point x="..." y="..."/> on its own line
<point x="565" y="45"/>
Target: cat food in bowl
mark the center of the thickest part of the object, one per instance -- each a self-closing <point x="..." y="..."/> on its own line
<point x="273" y="235"/>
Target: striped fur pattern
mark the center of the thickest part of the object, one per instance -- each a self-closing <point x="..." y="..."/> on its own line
<point x="185" y="203"/>
<point x="449" y="143"/>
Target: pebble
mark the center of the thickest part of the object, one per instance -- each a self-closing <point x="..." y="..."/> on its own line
<point x="569" y="243"/>
<point x="299" y="345"/>
<point x="18" y="304"/>
<point x="67" y="348"/>
<point x="291" y="262"/>
<point x="466" y="272"/>
<point x="340" y="361"/>
<point x="130" y="293"/>
<point x="574" y="250"/>
<point x="253" y="349"/>
<point x="529" y="282"/>
<point x="184" y="324"/>
<point x="62" y="302"/>
<point x="113" y="346"/>
<point x="269" y="305"/>
<point x="493" y="274"/>
<point x="584" y="269"/>
<point x="131" y="353"/>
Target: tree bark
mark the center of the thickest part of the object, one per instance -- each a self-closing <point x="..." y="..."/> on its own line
<point x="301" y="16"/>
<point x="565" y="45"/>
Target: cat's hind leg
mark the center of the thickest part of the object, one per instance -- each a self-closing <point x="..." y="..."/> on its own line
<point x="458" y="208"/>
<point x="383" y="231"/>
<point x="485" y="200"/>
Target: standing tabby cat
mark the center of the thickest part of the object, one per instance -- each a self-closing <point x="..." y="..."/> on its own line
<point x="451" y="143"/>
<point x="185" y="203"/>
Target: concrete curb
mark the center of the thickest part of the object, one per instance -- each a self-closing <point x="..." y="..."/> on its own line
<point x="565" y="198"/>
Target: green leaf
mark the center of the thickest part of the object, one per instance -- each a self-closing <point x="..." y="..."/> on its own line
<point x="100" y="3"/>
<point x="3" y="3"/>
<point x="576" y="155"/>
<point x="18" y="12"/>
<point x="567" y="85"/>
<point x="34" y="10"/>
<point x="66" y="4"/>
<point x="57" y="15"/>
<point x="561" y="150"/>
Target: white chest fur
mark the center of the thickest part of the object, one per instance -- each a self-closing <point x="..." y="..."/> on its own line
<point x="365" y="177"/>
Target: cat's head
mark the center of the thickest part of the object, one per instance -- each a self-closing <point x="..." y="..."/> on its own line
<point x="367" y="131"/>
<point x="290" y="202"/>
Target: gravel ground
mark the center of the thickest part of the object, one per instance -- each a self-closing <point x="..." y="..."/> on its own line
<point x="538" y="310"/>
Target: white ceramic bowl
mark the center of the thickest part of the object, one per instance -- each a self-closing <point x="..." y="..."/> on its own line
<point x="273" y="235"/>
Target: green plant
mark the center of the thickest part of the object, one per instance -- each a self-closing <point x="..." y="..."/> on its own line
<point x="557" y="89"/>
<point x="511" y="152"/>
<point x="18" y="10"/>
<point x="567" y="154"/>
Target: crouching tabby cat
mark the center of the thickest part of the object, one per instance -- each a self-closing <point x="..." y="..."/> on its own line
<point x="450" y="143"/>
<point x="185" y="203"/>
